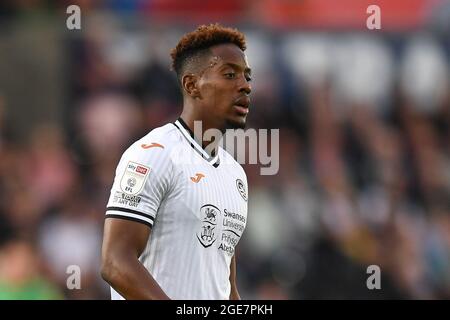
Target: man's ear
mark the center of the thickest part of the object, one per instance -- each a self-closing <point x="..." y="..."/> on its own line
<point x="190" y="85"/>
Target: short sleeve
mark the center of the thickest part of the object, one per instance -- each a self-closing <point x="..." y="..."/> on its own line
<point x="142" y="180"/>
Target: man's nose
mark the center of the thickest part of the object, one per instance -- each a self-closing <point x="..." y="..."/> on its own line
<point x="245" y="87"/>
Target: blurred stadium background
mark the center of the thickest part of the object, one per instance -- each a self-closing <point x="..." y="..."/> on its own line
<point x="364" y="140"/>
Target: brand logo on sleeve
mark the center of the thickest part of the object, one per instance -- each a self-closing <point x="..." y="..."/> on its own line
<point x="134" y="178"/>
<point x="152" y="145"/>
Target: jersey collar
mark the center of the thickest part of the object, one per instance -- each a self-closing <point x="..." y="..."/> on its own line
<point x="189" y="136"/>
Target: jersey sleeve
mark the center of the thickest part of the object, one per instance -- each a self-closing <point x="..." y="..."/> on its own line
<point x="143" y="178"/>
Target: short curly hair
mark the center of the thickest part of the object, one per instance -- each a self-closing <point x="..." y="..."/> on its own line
<point x="195" y="44"/>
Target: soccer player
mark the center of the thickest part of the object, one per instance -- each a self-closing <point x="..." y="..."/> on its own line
<point x="177" y="211"/>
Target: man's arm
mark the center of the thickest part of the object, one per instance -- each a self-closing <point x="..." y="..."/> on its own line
<point x="123" y="243"/>
<point x="234" y="294"/>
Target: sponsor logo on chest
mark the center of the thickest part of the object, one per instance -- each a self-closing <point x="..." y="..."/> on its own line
<point x="224" y="228"/>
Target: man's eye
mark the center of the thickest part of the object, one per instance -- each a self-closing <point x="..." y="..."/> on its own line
<point x="248" y="78"/>
<point x="230" y="75"/>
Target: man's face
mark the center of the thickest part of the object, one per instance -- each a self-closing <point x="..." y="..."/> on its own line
<point x="224" y="87"/>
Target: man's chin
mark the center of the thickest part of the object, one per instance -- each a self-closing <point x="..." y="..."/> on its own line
<point x="236" y="123"/>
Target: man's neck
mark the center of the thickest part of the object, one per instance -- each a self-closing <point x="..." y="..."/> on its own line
<point x="190" y="121"/>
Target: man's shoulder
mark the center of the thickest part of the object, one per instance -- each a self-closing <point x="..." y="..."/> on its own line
<point x="165" y="134"/>
<point x="164" y="138"/>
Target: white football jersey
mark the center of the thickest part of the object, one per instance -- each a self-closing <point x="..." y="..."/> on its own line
<point x="196" y="206"/>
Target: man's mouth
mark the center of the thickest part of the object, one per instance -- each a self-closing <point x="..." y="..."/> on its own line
<point x="241" y="105"/>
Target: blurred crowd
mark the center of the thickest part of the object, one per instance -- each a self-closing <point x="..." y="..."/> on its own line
<point x="364" y="173"/>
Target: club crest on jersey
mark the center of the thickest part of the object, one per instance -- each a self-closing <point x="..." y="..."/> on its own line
<point x="134" y="177"/>
<point x="241" y="188"/>
<point x="207" y="234"/>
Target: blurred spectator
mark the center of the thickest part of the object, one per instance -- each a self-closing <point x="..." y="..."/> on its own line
<point x="21" y="275"/>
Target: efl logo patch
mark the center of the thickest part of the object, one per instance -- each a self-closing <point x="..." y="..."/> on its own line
<point x="134" y="178"/>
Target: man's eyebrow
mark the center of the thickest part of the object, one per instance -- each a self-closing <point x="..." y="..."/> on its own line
<point x="236" y="66"/>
